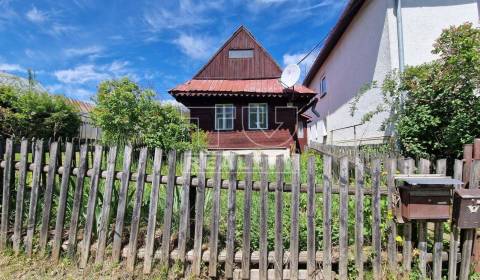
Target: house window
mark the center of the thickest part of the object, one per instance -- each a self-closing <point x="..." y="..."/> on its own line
<point x="323" y="87"/>
<point x="257" y="116"/>
<point x="224" y="116"/>
<point x="240" y="53"/>
<point x="300" y="130"/>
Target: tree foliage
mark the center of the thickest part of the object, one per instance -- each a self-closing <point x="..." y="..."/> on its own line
<point x="441" y="108"/>
<point x="36" y="114"/>
<point x="128" y="113"/>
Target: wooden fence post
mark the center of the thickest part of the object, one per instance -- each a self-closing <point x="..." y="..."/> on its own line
<point x="407" y="168"/>
<point x="454" y="232"/>
<point x="232" y="188"/>
<point x="137" y="208"/>
<point x="327" y="217"/>
<point x="263" y="260"/>
<point x="122" y="204"/>
<point x="167" y="216"/>
<point x="152" y="213"/>
<point x="47" y="196"/>
<point x="294" y="217"/>
<point x="424" y="168"/>
<point x="343" y="238"/>
<point x="184" y="225"/>
<point x="438" y="232"/>
<point x="107" y="198"/>
<point x="278" y="256"/>
<point x="392" y="234"/>
<point x="377" y="246"/>
<point x="359" y="190"/>
<point x="199" y="211"/>
<point x="77" y="200"/>
<point x="22" y="181"/>
<point x="67" y="166"/>
<point x="32" y="210"/>
<point x="92" y="200"/>
<point x="7" y="181"/>
<point x="247" y="216"/>
<point x="213" y="246"/>
<point x="311" y="263"/>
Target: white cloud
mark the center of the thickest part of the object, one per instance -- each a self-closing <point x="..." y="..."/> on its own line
<point x="80" y="74"/>
<point x="95" y="73"/>
<point x="86" y="51"/>
<point x="36" y="16"/>
<point x="194" y="47"/>
<point x="183" y="13"/>
<point x="11" y="67"/>
<point x="72" y="91"/>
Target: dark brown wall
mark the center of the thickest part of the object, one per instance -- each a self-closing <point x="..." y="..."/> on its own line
<point x="281" y="122"/>
<point x="261" y="66"/>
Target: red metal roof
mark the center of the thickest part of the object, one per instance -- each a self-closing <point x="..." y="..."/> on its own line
<point x="219" y="87"/>
<point x="81" y="106"/>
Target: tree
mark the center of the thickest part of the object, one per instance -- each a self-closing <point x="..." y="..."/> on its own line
<point x="36" y="114"/>
<point x="441" y="111"/>
<point x="128" y="113"/>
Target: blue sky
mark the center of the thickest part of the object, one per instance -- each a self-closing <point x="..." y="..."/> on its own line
<point x="73" y="45"/>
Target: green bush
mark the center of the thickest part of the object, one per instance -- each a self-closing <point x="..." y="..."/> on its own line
<point x="441" y="111"/>
<point x="36" y="114"/>
<point x="127" y="113"/>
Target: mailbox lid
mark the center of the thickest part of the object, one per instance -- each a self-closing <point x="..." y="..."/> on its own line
<point x="468" y="193"/>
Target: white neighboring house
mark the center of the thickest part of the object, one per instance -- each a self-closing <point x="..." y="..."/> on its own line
<point x="363" y="47"/>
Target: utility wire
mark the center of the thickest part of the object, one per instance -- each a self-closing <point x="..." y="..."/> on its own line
<point x="315" y="47"/>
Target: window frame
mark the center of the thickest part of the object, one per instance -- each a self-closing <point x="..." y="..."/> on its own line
<point x="250" y="107"/>
<point x="224" y="119"/>
<point x="243" y="53"/>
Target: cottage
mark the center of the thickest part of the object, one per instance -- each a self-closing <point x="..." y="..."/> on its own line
<point x="238" y="99"/>
<point x="370" y="39"/>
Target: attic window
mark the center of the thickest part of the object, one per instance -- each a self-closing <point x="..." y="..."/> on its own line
<point x="240" y="53"/>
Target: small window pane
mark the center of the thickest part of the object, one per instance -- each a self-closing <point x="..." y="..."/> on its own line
<point x="257" y="116"/>
<point x="224" y="116"/>
<point x="240" y="53"/>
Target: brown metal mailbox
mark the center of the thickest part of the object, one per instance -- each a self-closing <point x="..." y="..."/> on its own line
<point x="466" y="208"/>
<point x="426" y="197"/>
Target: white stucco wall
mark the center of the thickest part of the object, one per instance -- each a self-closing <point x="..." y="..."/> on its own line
<point x="368" y="50"/>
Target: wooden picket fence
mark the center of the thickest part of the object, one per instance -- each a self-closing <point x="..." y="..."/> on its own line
<point x="31" y="169"/>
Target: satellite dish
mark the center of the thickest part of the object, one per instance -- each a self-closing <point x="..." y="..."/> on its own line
<point x="290" y="75"/>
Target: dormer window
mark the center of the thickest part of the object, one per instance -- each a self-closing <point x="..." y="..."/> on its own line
<point x="246" y="53"/>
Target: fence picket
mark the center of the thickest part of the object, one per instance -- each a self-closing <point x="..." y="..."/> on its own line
<point x="32" y="208"/>
<point x="185" y="206"/>
<point x="92" y="200"/>
<point x="22" y="180"/>
<point x="199" y="212"/>
<point x="392" y="234"/>
<point x="311" y="263"/>
<point x="278" y="255"/>
<point x="107" y="198"/>
<point x="167" y="218"/>
<point x="376" y="237"/>
<point x="60" y="219"/>
<point x="122" y="204"/>
<point x="424" y="168"/>
<point x="263" y="260"/>
<point x="294" y="217"/>
<point x="438" y="232"/>
<point x="454" y="233"/>
<point x="213" y="246"/>
<point x="343" y="238"/>
<point x="137" y="210"/>
<point x="407" y="168"/>
<point x="77" y="200"/>
<point x="152" y="213"/>
<point x="232" y="188"/>
<point x="359" y="190"/>
<point x="7" y="181"/>
<point x="47" y="196"/>
<point x="327" y="217"/>
<point x="247" y="216"/>
<point x="469" y="233"/>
